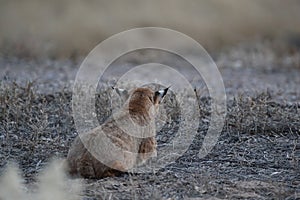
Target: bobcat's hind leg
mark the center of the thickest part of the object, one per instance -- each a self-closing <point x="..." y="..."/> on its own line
<point x="147" y="149"/>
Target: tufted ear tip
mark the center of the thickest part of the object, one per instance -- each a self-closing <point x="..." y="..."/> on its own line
<point x="121" y="92"/>
<point x="160" y="94"/>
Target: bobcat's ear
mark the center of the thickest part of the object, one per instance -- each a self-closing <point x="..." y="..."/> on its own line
<point x="122" y="93"/>
<point x="159" y="95"/>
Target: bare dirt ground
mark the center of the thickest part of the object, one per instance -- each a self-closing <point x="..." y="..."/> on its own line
<point x="257" y="155"/>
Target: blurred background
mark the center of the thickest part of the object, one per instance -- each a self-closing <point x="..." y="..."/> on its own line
<point x="71" y="28"/>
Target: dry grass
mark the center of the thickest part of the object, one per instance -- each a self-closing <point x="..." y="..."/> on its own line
<point x="35" y="127"/>
<point x="257" y="155"/>
<point x="261" y="114"/>
<point x="32" y="123"/>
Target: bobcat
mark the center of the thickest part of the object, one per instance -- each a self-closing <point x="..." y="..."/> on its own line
<point x="124" y="141"/>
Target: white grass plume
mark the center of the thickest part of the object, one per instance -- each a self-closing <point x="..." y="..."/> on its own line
<point x="52" y="184"/>
<point x="11" y="184"/>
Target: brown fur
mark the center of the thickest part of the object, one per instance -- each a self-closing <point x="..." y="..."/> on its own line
<point x="141" y="108"/>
